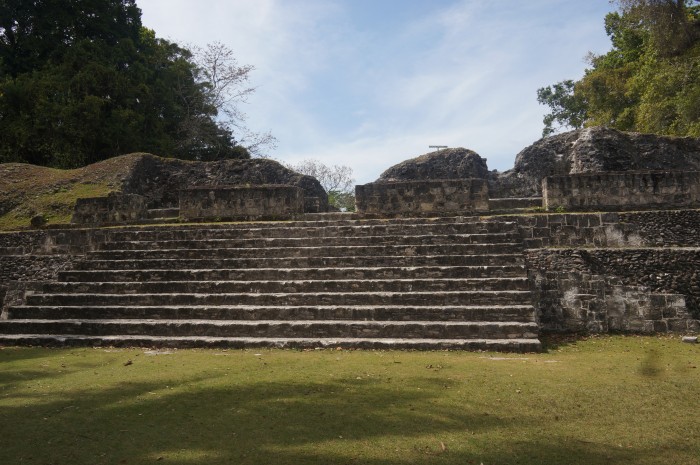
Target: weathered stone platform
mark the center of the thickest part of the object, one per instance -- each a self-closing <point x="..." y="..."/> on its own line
<point x="450" y="283"/>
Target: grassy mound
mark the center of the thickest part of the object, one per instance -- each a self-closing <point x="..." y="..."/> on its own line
<point x="29" y="190"/>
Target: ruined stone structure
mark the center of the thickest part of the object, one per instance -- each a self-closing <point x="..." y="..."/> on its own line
<point x="241" y="202"/>
<point x="593" y="150"/>
<point x="113" y="209"/>
<point x="625" y="190"/>
<point x="403" y="283"/>
<point x="437" y="263"/>
<point x="455" y="196"/>
<point x="160" y="180"/>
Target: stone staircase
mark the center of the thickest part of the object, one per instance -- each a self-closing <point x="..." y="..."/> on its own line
<point x="449" y="283"/>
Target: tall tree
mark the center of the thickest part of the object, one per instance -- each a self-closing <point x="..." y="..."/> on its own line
<point x="649" y="81"/>
<point x="83" y="80"/>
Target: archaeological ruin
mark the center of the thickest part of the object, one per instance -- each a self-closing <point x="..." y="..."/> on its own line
<point x="592" y="231"/>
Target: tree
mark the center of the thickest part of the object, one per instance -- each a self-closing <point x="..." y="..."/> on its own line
<point x="336" y="180"/>
<point x="83" y="80"/>
<point x="669" y="23"/>
<point x="568" y="108"/>
<point x="648" y="82"/>
<point x="225" y="84"/>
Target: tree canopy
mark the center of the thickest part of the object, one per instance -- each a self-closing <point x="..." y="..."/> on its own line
<point x="84" y="80"/>
<point x="648" y="82"/>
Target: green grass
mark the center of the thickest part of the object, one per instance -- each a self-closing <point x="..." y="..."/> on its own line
<point x="607" y="400"/>
<point x="56" y="206"/>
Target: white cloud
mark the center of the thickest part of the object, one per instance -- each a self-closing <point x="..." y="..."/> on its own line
<point x="332" y="88"/>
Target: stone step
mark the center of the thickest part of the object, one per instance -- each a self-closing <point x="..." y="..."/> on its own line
<point x="159" y="213"/>
<point x="62" y="340"/>
<point x="321" y="251"/>
<point x="300" y="286"/>
<point x="519" y="313"/>
<point x="284" y="230"/>
<point x="433" y="298"/>
<point x="275" y="328"/>
<point x="295" y="242"/>
<point x="105" y="262"/>
<point x="281" y="274"/>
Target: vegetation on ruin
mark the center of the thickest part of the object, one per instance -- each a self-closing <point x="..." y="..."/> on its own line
<point x="613" y="399"/>
<point x="648" y="82"/>
<point x="28" y="190"/>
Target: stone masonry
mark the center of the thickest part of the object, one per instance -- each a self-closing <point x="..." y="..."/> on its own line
<point x="451" y="283"/>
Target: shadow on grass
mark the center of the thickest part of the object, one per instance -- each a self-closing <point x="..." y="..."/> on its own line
<point x="215" y="420"/>
<point x="554" y="341"/>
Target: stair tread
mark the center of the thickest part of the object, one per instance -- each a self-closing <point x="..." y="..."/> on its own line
<point x="316" y="247"/>
<point x="285" y="269"/>
<point x="311" y="339"/>
<point x="17" y="321"/>
<point x="290" y="293"/>
<point x="253" y="307"/>
<point x="258" y="281"/>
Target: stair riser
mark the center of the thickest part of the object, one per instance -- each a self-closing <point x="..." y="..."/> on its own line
<point x="232" y="287"/>
<point x="291" y="274"/>
<point x="524" y="314"/>
<point x="282" y="231"/>
<point x="278" y="330"/>
<point x="312" y="242"/>
<point x="427" y="299"/>
<point x="301" y="262"/>
<point x="517" y="346"/>
<point x="341" y="251"/>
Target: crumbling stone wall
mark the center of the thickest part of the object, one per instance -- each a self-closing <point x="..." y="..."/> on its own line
<point x="112" y="209"/>
<point x="602" y="290"/>
<point x="20" y="274"/>
<point x="21" y="242"/>
<point x="255" y="202"/>
<point x="420" y="197"/>
<point x="671" y="228"/>
<point x="628" y="190"/>
<point x="593" y="150"/>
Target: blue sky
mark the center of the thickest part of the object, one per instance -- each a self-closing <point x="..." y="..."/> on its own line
<point x="369" y="83"/>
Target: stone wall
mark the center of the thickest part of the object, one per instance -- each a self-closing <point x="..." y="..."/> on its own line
<point x="604" y="290"/>
<point x="20" y="274"/>
<point x="238" y="202"/>
<point x="113" y="209"/>
<point x="423" y="197"/>
<point x="629" y="190"/>
<point x="671" y="228"/>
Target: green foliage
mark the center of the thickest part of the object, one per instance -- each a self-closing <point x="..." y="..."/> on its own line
<point x="568" y="108"/>
<point x="82" y="81"/>
<point x="648" y="82"/>
<point x="344" y="201"/>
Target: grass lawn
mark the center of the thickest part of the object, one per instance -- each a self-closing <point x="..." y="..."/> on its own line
<point x="604" y="400"/>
